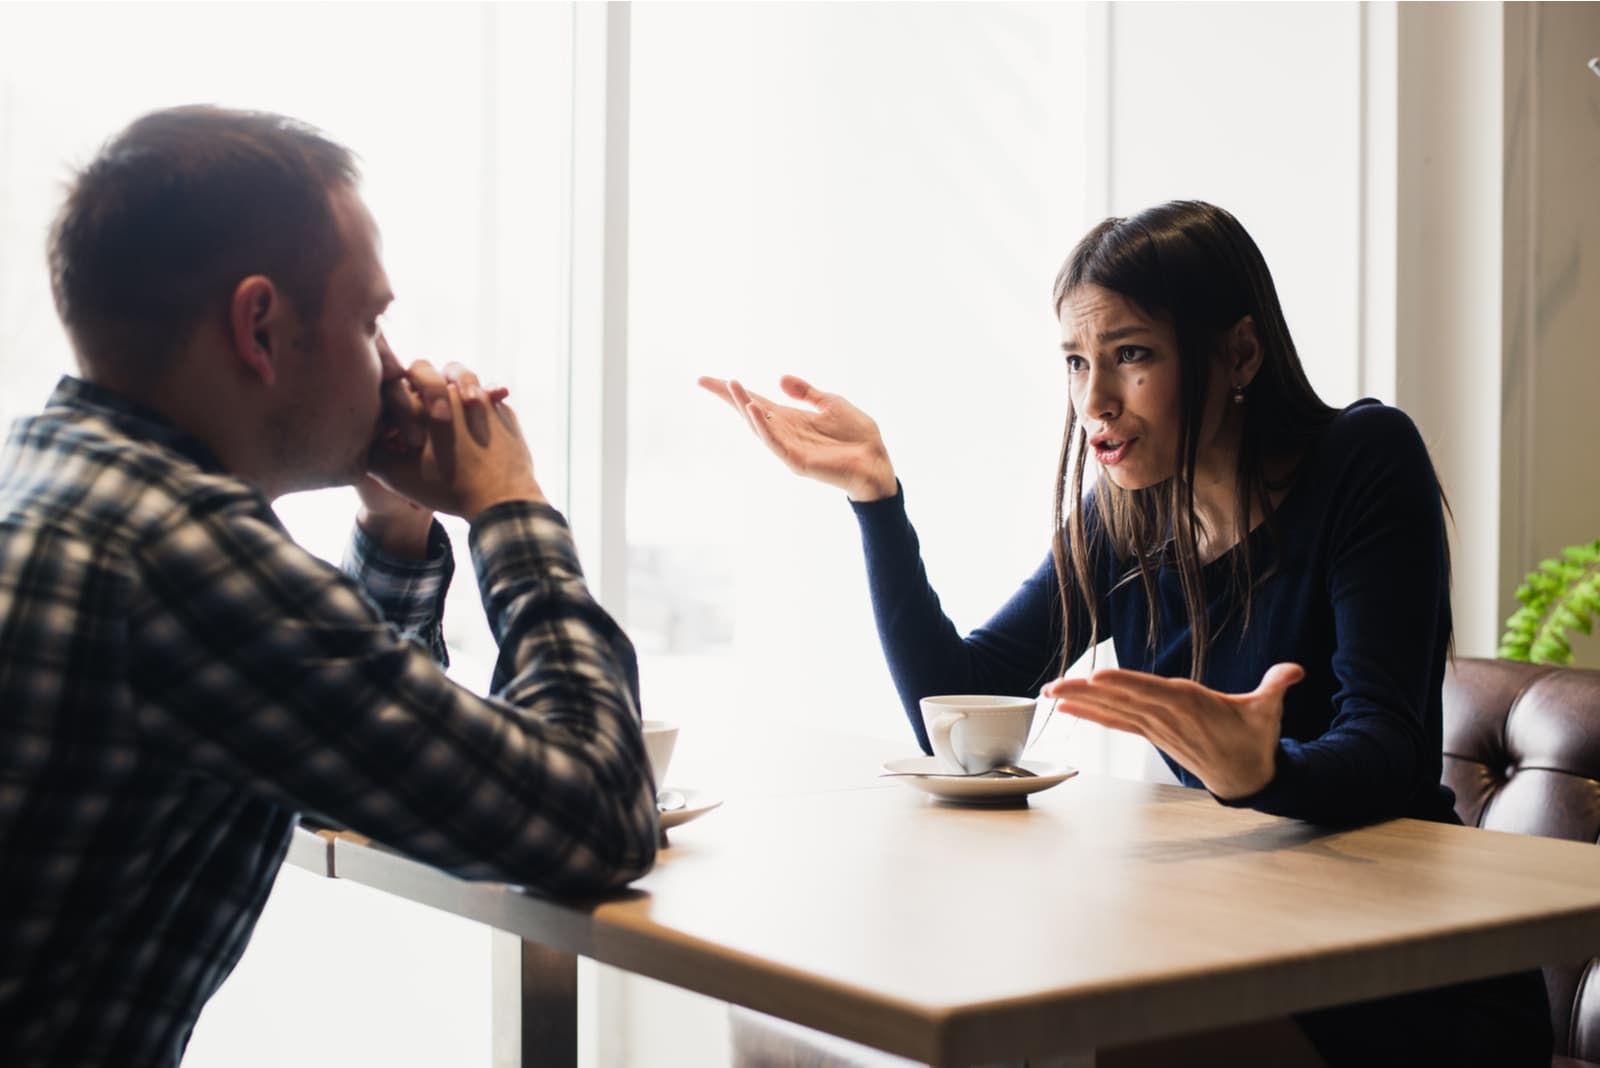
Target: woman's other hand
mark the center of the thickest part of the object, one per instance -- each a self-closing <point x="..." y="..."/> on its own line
<point x="1228" y="741"/>
<point x="831" y="441"/>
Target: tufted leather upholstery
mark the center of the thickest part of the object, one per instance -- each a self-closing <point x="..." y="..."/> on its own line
<point x="1522" y="753"/>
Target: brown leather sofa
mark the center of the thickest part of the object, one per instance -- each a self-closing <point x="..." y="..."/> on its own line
<point x="1522" y="753"/>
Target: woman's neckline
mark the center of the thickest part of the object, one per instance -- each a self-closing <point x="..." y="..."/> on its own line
<point x="1291" y="477"/>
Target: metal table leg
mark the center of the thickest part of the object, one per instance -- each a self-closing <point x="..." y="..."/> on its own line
<point x="535" y="1004"/>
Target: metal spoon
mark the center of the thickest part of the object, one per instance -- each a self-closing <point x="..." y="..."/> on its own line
<point x="670" y="801"/>
<point x="999" y="771"/>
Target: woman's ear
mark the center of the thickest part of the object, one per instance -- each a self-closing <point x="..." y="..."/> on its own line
<point x="1244" y="351"/>
<point x="258" y="325"/>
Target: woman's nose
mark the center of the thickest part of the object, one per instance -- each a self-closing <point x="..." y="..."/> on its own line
<point x="1101" y="400"/>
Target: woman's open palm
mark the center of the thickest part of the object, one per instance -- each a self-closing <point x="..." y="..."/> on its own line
<point x="1229" y="741"/>
<point x="831" y="441"/>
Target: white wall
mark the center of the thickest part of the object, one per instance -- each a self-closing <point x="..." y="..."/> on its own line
<point x="1255" y="108"/>
<point x="1489" y="170"/>
<point x="1447" y="264"/>
<point x="1550" y="492"/>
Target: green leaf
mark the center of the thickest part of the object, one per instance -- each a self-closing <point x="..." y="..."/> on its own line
<point x="1560" y="595"/>
<point x="1550" y="649"/>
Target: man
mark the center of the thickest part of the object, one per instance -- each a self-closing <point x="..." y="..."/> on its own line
<point x="178" y="679"/>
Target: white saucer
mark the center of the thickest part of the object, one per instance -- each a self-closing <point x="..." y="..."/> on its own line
<point x="696" y="803"/>
<point x="956" y="788"/>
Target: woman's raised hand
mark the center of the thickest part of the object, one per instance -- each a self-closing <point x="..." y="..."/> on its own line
<point x="831" y="440"/>
<point x="1229" y="741"/>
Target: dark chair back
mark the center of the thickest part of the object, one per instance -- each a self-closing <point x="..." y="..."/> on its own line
<point x="1522" y="753"/>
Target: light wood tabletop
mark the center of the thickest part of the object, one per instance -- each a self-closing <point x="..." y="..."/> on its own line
<point x="1102" y="912"/>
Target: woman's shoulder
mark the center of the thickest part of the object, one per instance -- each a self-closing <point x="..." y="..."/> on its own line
<point x="1371" y="431"/>
<point x="1364" y="447"/>
<point x="1369" y="416"/>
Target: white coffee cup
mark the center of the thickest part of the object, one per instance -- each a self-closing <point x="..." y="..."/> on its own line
<point x="972" y="733"/>
<point x="660" y="737"/>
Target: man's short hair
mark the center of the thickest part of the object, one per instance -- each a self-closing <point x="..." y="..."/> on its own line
<point x="177" y="209"/>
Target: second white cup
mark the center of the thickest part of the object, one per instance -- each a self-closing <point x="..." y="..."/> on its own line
<point x="660" y="738"/>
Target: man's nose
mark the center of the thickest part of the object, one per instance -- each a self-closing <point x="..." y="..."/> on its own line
<point x="388" y="361"/>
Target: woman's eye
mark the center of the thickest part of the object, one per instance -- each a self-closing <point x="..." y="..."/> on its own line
<point x="1076" y="364"/>
<point x="1132" y="354"/>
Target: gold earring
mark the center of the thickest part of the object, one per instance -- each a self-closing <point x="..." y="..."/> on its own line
<point x="1238" y="394"/>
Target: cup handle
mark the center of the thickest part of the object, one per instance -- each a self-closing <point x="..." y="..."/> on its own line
<point x="939" y="733"/>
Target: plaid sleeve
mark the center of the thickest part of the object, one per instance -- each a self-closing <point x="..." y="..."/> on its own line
<point x="259" y="663"/>
<point x="522" y="551"/>
<point x="409" y="593"/>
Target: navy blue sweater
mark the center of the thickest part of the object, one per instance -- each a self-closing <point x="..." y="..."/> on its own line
<point x="1358" y="596"/>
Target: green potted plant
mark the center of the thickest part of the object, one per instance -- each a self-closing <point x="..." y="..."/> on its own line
<point x="1559" y="596"/>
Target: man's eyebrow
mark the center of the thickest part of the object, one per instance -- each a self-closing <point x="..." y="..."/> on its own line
<point x="1119" y="334"/>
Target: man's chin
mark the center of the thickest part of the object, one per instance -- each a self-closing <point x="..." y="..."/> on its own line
<point x="359" y="468"/>
<point x="348" y="474"/>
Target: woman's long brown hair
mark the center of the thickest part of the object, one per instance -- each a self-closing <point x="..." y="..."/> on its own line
<point x="1191" y="264"/>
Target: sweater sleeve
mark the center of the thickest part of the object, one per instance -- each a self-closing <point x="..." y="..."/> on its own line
<point x="1014" y="653"/>
<point x="1388" y="583"/>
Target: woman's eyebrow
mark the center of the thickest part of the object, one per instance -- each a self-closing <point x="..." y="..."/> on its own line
<point x="1119" y="334"/>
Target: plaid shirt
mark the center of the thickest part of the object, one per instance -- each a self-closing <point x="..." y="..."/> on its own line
<point x="178" y="679"/>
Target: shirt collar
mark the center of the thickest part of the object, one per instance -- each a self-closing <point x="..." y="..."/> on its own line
<point x="133" y="419"/>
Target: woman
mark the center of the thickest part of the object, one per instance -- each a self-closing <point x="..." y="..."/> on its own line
<point x="1274" y="574"/>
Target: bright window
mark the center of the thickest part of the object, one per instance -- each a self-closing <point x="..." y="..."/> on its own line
<point x="874" y="197"/>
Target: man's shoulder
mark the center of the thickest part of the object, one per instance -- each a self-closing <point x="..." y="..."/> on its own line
<point x="84" y="476"/>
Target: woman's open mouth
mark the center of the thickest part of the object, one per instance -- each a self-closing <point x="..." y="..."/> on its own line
<point x="1110" y="451"/>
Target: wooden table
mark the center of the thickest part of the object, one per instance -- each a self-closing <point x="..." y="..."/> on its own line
<point x="1103" y="912"/>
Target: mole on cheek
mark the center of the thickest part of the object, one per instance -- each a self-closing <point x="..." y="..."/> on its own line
<point x="1138" y="382"/>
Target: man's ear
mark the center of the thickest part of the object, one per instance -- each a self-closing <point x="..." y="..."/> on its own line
<point x="1244" y="351"/>
<point x="259" y="324"/>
